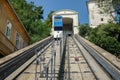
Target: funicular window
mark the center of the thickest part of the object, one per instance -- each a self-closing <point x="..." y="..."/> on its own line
<point x="58" y="17"/>
<point x="58" y="28"/>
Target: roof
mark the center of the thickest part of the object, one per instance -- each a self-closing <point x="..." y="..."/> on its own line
<point x="63" y="10"/>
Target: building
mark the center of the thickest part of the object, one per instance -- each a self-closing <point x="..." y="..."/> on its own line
<point x="70" y="20"/>
<point x="13" y="35"/>
<point x="95" y="16"/>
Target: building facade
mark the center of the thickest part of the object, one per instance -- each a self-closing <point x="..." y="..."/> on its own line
<point x="13" y="35"/>
<point x="70" y="20"/>
<point x="95" y="16"/>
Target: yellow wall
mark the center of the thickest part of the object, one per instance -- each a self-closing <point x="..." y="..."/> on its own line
<point x="6" y="14"/>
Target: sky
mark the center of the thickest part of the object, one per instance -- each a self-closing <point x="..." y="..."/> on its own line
<point x="55" y="5"/>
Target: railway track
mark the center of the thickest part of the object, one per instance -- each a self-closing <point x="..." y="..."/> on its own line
<point x="37" y="68"/>
<point x="80" y="65"/>
<point x="47" y="67"/>
<point x="8" y="67"/>
<point x="74" y="60"/>
<point x="76" y="67"/>
<point x="107" y="66"/>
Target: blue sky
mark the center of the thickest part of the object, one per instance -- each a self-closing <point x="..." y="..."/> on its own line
<point x="55" y="5"/>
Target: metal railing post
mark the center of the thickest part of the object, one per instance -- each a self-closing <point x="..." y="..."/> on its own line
<point x="60" y="49"/>
<point x="47" y="68"/>
<point x="51" y="69"/>
<point x="40" y="58"/>
<point x="36" y="52"/>
<point x="54" y="63"/>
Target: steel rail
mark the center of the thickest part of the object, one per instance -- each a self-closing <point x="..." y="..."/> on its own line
<point x="39" y="53"/>
<point x="86" y="60"/>
<point x="113" y="72"/>
<point x="8" y="67"/>
<point x="62" y="61"/>
<point x="68" y="55"/>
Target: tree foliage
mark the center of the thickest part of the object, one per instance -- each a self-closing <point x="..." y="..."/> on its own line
<point x="105" y="36"/>
<point x="84" y="30"/>
<point x="31" y="16"/>
<point x="48" y="21"/>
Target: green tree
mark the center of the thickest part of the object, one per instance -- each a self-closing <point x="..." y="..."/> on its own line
<point x="106" y="36"/>
<point x="49" y="19"/>
<point x="110" y="29"/>
<point x="27" y="12"/>
<point x="31" y="16"/>
<point x="84" y="30"/>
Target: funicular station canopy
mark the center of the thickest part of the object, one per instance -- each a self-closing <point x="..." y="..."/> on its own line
<point x="70" y="21"/>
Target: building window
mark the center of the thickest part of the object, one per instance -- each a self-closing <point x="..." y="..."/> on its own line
<point x="24" y="44"/>
<point x="17" y="40"/>
<point x="101" y="19"/>
<point x="8" y="29"/>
